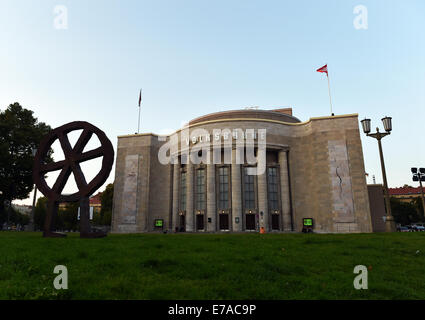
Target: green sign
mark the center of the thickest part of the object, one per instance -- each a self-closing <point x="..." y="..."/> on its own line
<point x="308" y="222"/>
<point x="159" y="223"/>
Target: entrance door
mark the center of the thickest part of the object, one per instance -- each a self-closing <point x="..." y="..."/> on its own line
<point x="182" y="223"/>
<point x="199" y="222"/>
<point x="250" y="221"/>
<point x="275" y="222"/>
<point x="224" y="221"/>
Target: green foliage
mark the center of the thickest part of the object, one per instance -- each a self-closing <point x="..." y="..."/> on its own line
<point x="104" y="217"/>
<point x="417" y="202"/>
<point x="107" y="218"/>
<point x="16" y="218"/>
<point x="19" y="218"/>
<point x="68" y="218"/>
<point x="40" y="213"/>
<point x="107" y="201"/>
<point x="65" y="221"/>
<point x="407" y="213"/>
<point x="20" y="132"/>
<point x="106" y="197"/>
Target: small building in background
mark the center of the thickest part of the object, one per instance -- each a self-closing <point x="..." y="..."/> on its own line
<point x="96" y="203"/>
<point x="405" y="194"/>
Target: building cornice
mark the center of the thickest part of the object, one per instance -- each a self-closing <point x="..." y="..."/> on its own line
<point x="352" y="115"/>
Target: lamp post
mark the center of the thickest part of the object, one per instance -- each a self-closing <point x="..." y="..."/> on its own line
<point x="420" y="176"/>
<point x="389" y="220"/>
<point x="31" y="226"/>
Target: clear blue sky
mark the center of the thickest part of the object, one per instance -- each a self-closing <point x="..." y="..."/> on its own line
<point x="197" y="57"/>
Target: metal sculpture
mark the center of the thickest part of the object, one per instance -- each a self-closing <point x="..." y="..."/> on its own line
<point x="73" y="157"/>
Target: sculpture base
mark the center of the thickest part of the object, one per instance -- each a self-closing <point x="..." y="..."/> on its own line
<point x="92" y="235"/>
<point x="53" y="235"/>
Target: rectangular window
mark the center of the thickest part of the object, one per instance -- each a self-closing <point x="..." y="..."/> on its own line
<point x="200" y="191"/>
<point x="183" y="191"/>
<point x="223" y="188"/>
<point x="272" y="180"/>
<point x="249" y="191"/>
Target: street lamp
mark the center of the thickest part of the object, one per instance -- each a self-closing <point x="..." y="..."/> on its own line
<point x="389" y="220"/>
<point x="420" y="176"/>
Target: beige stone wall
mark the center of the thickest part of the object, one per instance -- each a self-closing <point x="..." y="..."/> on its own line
<point x="326" y="174"/>
<point x="152" y="182"/>
<point x="129" y="213"/>
<point x="314" y="182"/>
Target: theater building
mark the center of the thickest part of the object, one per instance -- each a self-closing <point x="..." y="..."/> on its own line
<point x="244" y="171"/>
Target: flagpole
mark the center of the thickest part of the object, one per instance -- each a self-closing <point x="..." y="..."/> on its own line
<point x="329" y="89"/>
<point x="140" y="107"/>
<point x="138" y="127"/>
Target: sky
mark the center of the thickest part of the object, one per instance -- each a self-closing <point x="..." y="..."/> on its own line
<point x="197" y="57"/>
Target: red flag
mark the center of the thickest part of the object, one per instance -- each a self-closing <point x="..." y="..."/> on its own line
<point x="140" y="97"/>
<point x="323" y="69"/>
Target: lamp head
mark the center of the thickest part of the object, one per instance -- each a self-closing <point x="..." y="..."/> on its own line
<point x="387" y="124"/>
<point x="366" y="125"/>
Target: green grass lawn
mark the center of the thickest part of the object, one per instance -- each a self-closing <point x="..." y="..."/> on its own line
<point x="213" y="266"/>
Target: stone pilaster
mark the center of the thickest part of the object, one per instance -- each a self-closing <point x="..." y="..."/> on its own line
<point x="284" y="191"/>
<point x="236" y="194"/>
<point x="190" y="219"/>
<point x="176" y="188"/>
<point x="262" y="190"/>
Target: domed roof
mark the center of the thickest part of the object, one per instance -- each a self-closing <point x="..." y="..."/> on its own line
<point x="284" y="115"/>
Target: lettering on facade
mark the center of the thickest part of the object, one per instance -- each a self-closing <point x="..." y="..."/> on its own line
<point x="236" y="134"/>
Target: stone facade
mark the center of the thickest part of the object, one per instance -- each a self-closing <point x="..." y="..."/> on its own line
<point x="313" y="169"/>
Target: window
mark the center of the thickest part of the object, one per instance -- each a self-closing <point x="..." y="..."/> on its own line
<point x="200" y="189"/>
<point x="183" y="191"/>
<point x="273" y="188"/>
<point x="223" y="188"/>
<point x="249" y="193"/>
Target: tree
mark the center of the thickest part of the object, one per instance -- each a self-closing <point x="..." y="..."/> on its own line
<point x="417" y="202"/>
<point x="406" y="212"/>
<point x="20" y="132"/>
<point x="40" y="213"/>
<point x="106" y="199"/>
<point x="68" y="217"/>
